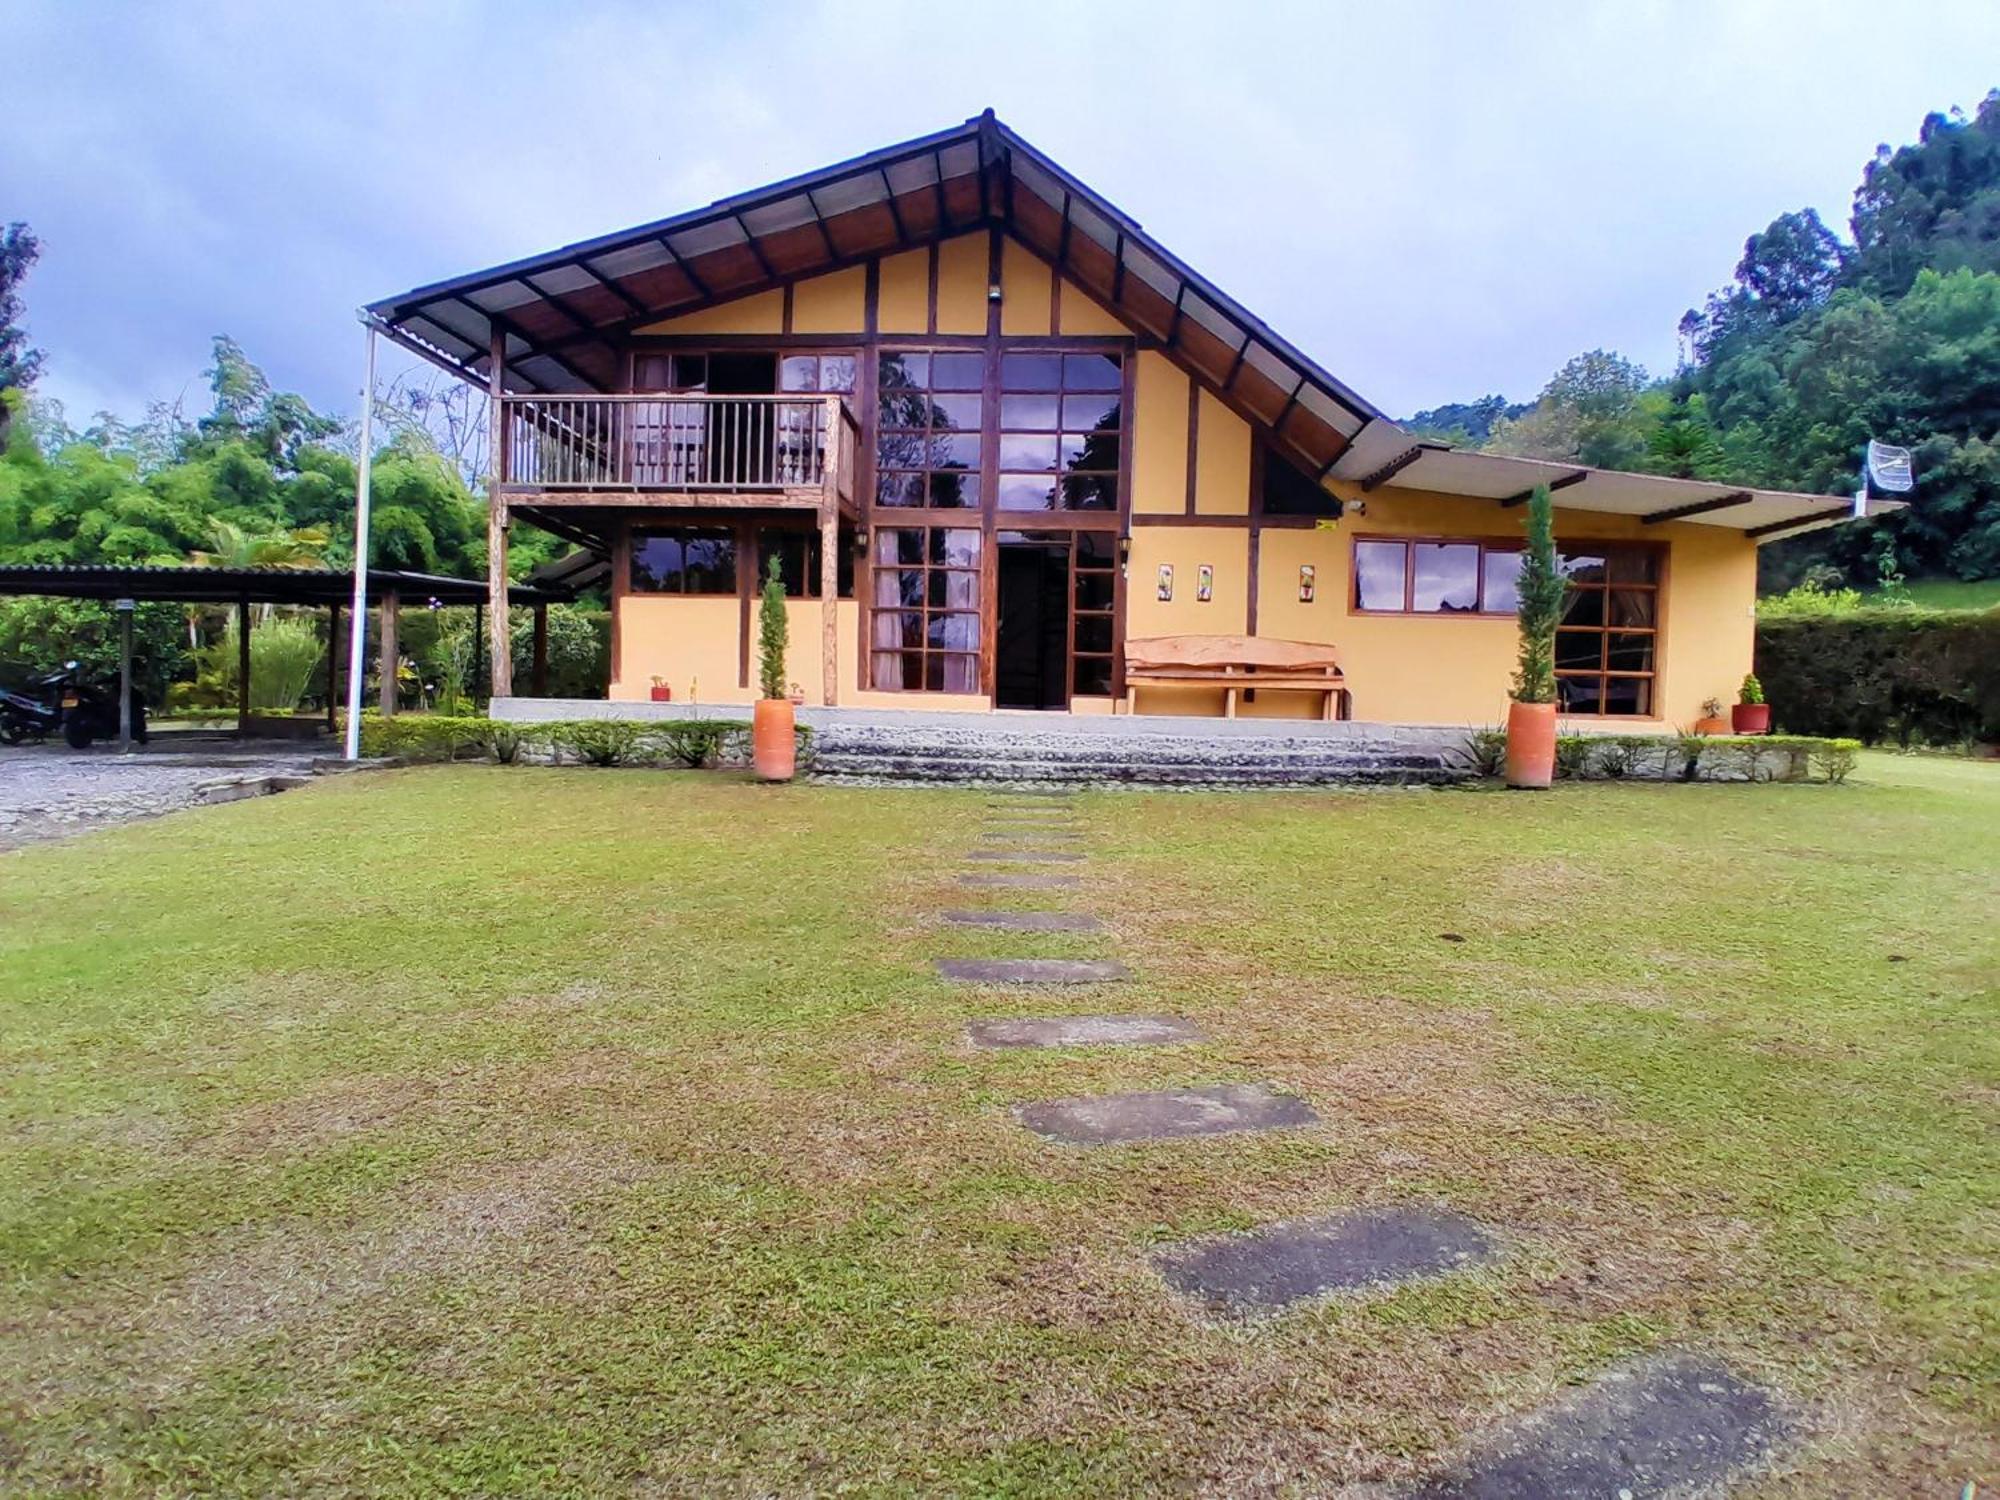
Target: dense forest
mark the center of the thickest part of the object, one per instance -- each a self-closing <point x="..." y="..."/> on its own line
<point x="1818" y="345"/>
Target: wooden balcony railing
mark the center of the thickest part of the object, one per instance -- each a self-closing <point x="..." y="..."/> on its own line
<point x="710" y="444"/>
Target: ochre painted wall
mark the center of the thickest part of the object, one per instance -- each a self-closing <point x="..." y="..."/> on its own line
<point x="834" y="303"/>
<point x="1159" y="436"/>
<point x="905" y="296"/>
<point x="1222" y="461"/>
<point x="761" y="312"/>
<point x="1027" y="285"/>
<point x="961" y="284"/>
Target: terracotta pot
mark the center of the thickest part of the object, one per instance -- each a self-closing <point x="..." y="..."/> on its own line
<point x="773" y="740"/>
<point x="1750" y="718"/>
<point x="1711" y="726"/>
<point x="1531" y="745"/>
<point x="663" y="694"/>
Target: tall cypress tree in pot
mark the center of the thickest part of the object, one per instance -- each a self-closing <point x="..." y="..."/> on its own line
<point x="1531" y="716"/>
<point x="773" y="734"/>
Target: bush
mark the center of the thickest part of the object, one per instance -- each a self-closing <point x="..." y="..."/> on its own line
<point x="691" y="742"/>
<point x="1835" y="759"/>
<point x="423" y="736"/>
<point x="1485" y="750"/>
<point x="1909" y="676"/>
<point x="1573" y="753"/>
<point x="505" y="741"/>
<point x="598" y="742"/>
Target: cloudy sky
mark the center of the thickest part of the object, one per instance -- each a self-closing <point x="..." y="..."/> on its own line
<point x="1436" y="199"/>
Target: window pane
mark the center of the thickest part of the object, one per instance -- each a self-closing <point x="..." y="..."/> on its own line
<point x="1093" y="633"/>
<point x="1093" y="590"/>
<point x="1581" y="568"/>
<point x="961" y="589"/>
<point x="1447" y="578"/>
<point x="955" y="412"/>
<point x="1583" y="607"/>
<point x="1090" y="372"/>
<point x="656" y="563"/>
<point x="1096" y="549"/>
<point x="1637" y="566"/>
<point x="1580" y="695"/>
<point x="710" y="562"/>
<point x="904" y="371"/>
<point x="1378" y="575"/>
<point x="1500" y="577"/>
<point x="836" y="372"/>
<point x="1086" y="413"/>
<point x="1090" y="450"/>
<point x="1090" y="492"/>
<point x="954" y="489"/>
<point x="1027" y="451"/>
<point x="1037" y="412"/>
<point x="1631" y="607"/>
<point x="1630" y="653"/>
<point x="1031" y="372"/>
<point x="1093" y="675"/>
<point x="886" y="671"/>
<point x="1027" y="492"/>
<point x="958" y="450"/>
<point x="798" y="372"/>
<point x="958" y="372"/>
<point x="961" y="674"/>
<point x="1579" y="648"/>
<point x="961" y="548"/>
<point x="1628" y="695"/>
<point x="899" y="489"/>
<point x="791" y="549"/>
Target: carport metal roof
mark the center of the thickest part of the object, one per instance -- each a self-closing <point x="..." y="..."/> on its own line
<point x="300" y="586"/>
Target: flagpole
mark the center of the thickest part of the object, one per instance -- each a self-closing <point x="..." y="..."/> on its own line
<point x="357" y="639"/>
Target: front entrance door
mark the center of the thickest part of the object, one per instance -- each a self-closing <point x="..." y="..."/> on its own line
<point x="1031" y="655"/>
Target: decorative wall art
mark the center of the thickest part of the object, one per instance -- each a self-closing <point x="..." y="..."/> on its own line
<point x="1204" y="584"/>
<point x="1166" y="589"/>
<point x="1308" y="579"/>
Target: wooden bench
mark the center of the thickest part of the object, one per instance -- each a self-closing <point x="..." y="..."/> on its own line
<point x="1235" y="663"/>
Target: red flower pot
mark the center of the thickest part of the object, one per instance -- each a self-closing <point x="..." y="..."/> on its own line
<point x="663" y="694"/>
<point x="1531" y="745"/>
<point x="1750" y="718"/>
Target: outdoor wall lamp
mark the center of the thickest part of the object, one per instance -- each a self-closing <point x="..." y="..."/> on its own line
<point x="993" y="291"/>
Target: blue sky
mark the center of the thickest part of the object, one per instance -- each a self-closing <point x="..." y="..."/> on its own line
<point x="1436" y="200"/>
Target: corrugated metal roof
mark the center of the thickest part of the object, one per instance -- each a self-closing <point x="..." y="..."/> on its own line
<point x="198" y="585"/>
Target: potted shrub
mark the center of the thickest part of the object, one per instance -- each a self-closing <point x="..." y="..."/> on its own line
<point x="1531" y="716"/>
<point x="1751" y="715"/>
<point x="1711" y="720"/>
<point x="661" y="692"/>
<point x="773" y="735"/>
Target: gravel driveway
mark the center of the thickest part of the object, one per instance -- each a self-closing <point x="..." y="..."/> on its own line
<point x="51" y="791"/>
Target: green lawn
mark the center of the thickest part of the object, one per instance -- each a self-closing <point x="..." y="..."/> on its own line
<point x="1951" y="593"/>
<point x="487" y="1130"/>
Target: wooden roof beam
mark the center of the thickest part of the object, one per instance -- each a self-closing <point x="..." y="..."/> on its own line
<point x="1393" y="467"/>
<point x="1554" y="484"/>
<point x="1698" y="508"/>
<point x="1772" y="528"/>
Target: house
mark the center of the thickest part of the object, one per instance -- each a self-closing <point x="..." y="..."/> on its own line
<point x="993" y="433"/>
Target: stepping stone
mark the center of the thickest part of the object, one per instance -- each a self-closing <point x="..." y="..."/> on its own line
<point x="1045" y="856"/>
<point x="1021" y="882"/>
<point x="1026" y="921"/>
<point x="1165" y="1114"/>
<point x="1084" y="1031"/>
<point x="1037" y="832"/>
<point x="1674" y="1423"/>
<point x="1284" y="1263"/>
<point x="1032" y="970"/>
<point x="1044" y="802"/>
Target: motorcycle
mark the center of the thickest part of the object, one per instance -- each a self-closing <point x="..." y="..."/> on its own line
<point x="63" y="700"/>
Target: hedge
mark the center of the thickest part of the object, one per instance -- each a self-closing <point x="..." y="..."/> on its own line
<point x="1911" y="676"/>
<point x="599" y="742"/>
<point x="1685" y="757"/>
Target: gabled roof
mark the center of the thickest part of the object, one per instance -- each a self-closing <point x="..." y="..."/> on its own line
<point x="563" y="315"/>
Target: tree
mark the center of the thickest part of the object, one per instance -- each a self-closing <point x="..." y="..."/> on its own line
<point x="1588" y="413"/>
<point x="1538" y="603"/>
<point x="20" y="361"/>
<point x="772" y="630"/>
<point x="1933" y="205"/>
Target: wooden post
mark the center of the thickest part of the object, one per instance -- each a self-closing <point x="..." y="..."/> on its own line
<point x="125" y="608"/>
<point x="829" y="557"/>
<point x="243" y="666"/>
<point x="332" y="665"/>
<point x="500" y="677"/>
<point x="541" y="677"/>
<point x="478" y="649"/>
<point x="386" y="653"/>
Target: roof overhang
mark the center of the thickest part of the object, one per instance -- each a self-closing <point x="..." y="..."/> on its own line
<point x="1385" y="457"/>
<point x="562" y="320"/>
<point x="296" y="586"/>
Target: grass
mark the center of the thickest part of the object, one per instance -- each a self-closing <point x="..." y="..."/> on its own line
<point x="479" y="1130"/>
<point x="1955" y="594"/>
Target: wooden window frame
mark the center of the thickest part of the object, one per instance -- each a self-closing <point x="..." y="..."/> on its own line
<point x="640" y="533"/>
<point x="1604" y="674"/>
<point x="925" y="610"/>
<point x="998" y="431"/>
<point x="1408" y="543"/>
<point x="979" y="473"/>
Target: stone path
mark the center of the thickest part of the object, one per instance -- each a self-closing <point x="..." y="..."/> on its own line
<point x="1671" y="1424"/>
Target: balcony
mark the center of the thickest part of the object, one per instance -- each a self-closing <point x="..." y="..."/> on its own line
<point x="748" y="450"/>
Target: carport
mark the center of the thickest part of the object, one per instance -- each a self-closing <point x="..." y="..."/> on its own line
<point x="321" y="588"/>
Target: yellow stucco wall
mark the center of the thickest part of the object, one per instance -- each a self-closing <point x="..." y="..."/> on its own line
<point x="1159" y="436"/>
<point x="903" y="303"/>
<point x="1027" y="286"/>
<point x="761" y="312"/>
<point x="961" y="296"/>
<point x="834" y="303"/>
<point x="1083" y="314"/>
<point x="1222" y="461"/>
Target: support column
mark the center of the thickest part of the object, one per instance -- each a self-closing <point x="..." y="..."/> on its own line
<point x="478" y="650"/>
<point x="357" y="640"/>
<point x="387" y="653"/>
<point x="500" y="681"/>
<point x="242" y="667"/>
<point x="332" y="665"/>
<point x="829" y="558"/>
<point x="125" y="607"/>
<point x="541" y="677"/>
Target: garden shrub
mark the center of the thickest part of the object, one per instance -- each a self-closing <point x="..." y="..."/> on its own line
<point x="598" y="742"/>
<point x="692" y="742"/>
<point x="423" y="736"/>
<point x="1910" y="676"/>
<point x="1485" y="750"/>
<point x="1691" y="757"/>
<point x="1573" y="755"/>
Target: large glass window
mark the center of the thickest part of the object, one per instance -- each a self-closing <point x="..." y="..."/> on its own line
<point x="1605" y="645"/>
<point x="798" y="554"/>
<point x="924" y="630"/>
<point x="1393" y="576"/>
<point x="1093" y="585"/>
<point x="684" y="560"/>
<point x="930" y="419"/>
<point x="816" y="372"/>
<point x="1059" y="422"/>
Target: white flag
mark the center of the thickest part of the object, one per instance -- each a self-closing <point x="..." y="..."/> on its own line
<point x="1889" y="468"/>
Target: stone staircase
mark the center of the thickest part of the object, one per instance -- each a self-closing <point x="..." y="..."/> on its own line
<point x="1017" y="752"/>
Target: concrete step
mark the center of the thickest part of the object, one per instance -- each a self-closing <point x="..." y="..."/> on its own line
<point x="1156" y="762"/>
